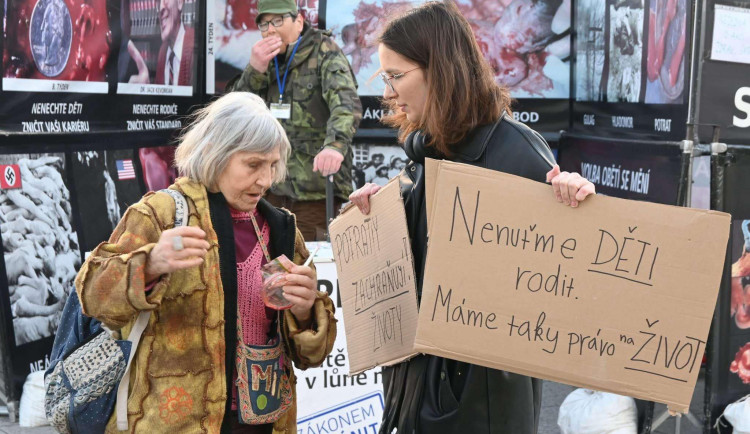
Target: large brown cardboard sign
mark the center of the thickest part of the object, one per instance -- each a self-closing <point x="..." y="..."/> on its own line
<point x="376" y="279"/>
<point x="616" y="295"/>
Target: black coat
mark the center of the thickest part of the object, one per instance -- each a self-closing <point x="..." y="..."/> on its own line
<point x="430" y="394"/>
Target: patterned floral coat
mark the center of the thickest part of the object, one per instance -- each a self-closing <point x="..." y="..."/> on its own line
<point x="179" y="380"/>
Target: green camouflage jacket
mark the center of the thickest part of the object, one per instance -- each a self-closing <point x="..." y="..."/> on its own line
<point x="325" y="111"/>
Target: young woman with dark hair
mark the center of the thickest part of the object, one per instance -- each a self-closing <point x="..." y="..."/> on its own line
<point x="447" y="105"/>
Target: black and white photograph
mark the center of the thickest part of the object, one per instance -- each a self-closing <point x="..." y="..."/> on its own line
<point x="40" y="245"/>
<point x="590" y="46"/>
<point x="376" y="164"/>
<point x="108" y="183"/>
<point x="625" y="50"/>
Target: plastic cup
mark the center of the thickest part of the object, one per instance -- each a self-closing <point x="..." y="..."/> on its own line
<point x="274" y="279"/>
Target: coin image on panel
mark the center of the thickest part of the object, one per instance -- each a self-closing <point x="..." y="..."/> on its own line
<point x="50" y="35"/>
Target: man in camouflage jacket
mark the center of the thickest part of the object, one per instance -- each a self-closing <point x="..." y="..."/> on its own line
<point x="320" y="109"/>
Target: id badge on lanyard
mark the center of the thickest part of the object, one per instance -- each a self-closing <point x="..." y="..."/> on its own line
<point x="281" y="110"/>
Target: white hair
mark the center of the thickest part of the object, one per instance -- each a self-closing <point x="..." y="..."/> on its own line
<point x="236" y="122"/>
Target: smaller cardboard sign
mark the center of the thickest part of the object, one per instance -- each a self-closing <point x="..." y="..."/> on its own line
<point x="10" y="176"/>
<point x="617" y="295"/>
<point x="376" y="277"/>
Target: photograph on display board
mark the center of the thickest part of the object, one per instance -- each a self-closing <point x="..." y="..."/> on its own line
<point x="741" y="275"/>
<point x="625" y="50"/>
<point x="40" y="245"/>
<point x="590" y="46"/>
<point x="157" y="164"/>
<point x="356" y="25"/>
<point x="376" y="164"/>
<point x="56" y="45"/>
<point x="739" y="348"/>
<point x="157" y="49"/>
<point x="106" y="184"/>
<point x="665" y="61"/>
<point x="527" y="42"/>
<point x="235" y="32"/>
<point x="739" y="367"/>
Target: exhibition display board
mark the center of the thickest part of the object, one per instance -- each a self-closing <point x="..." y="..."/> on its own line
<point x="91" y="98"/>
<point x="729" y="355"/>
<point x="75" y="67"/>
<point x="534" y="63"/>
<point x="630" y="169"/>
<point x="93" y="93"/>
<point x="724" y="97"/>
<point x="60" y="197"/>
<point x="632" y="68"/>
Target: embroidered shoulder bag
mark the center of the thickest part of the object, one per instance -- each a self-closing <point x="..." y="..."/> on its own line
<point x="263" y="386"/>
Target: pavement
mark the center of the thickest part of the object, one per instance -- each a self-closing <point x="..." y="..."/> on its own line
<point x="8" y="427"/>
<point x="553" y="395"/>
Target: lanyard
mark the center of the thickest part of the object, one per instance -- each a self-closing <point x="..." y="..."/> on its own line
<point x="260" y="237"/>
<point x="282" y="84"/>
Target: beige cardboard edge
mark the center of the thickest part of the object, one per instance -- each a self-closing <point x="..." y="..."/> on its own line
<point x="479" y="171"/>
<point x="344" y="209"/>
<point x="431" y="170"/>
<point x="350" y="205"/>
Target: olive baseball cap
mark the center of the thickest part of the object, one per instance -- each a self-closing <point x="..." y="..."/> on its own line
<point x="275" y="7"/>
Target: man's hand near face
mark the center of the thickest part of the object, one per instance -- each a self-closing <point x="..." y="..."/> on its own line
<point x="263" y="51"/>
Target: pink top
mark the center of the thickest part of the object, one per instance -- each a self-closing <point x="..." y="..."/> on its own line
<point x="255" y="316"/>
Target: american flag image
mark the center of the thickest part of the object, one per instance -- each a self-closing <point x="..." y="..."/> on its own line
<point x="125" y="169"/>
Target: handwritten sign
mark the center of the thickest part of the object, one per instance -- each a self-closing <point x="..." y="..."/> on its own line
<point x="376" y="280"/>
<point x="730" y="34"/>
<point x="616" y="295"/>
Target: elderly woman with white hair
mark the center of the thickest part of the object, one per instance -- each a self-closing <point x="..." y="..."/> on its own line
<point x="203" y="283"/>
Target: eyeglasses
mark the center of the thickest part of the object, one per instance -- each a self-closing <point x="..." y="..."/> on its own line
<point x="276" y="22"/>
<point x="388" y="77"/>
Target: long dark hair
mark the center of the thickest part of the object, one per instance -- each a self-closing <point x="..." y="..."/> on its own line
<point x="462" y="93"/>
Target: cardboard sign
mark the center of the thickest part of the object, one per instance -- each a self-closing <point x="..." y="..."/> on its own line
<point x="376" y="277"/>
<point x="616" y="295"/>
